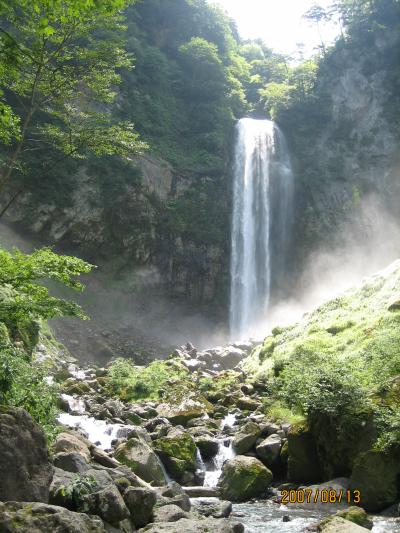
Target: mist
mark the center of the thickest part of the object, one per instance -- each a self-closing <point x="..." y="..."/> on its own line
<point x="362" y="247"/>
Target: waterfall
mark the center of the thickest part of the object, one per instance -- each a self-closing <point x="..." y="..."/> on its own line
<point x="261" y="222"/>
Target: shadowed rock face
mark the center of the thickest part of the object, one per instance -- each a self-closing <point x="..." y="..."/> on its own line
<point x="25" y="470"/>
<point x="43" y="518"/>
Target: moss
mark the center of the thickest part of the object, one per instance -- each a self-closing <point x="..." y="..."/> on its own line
<point x="375" y="474"/>
<point x="180" y="446"/>
<point x="244" y="478"/>
<point x="357" y="515"/>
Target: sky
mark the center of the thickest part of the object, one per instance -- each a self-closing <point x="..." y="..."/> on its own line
<point x="278" y="22"/>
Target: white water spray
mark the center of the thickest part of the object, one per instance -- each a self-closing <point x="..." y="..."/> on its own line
<point x="262" y="209"/>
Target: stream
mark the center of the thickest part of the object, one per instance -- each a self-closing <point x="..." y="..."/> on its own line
<point x="260" y="517"/>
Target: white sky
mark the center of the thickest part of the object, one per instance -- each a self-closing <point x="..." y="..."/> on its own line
<point x="278" y="22"/>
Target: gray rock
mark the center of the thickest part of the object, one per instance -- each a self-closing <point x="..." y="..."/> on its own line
<point x="25" y="469"/>
<point x="74" y="443"/>
<point x="139" y="456"/>
<point x="71" y="462"/>
<point x="173" y="493"/>
<point x="246" y="437"/>
<point x="189" y="525"/>
<point x="169" y="513"/>
<point x="108" y="504"/>
<point x="44" y="518"/>
<point x="219" y="509"/>
<point x="340" y="525"/>
<point x="208" y="446"/>
<point x="140" y="502"/>
<point x="269" y="449"/>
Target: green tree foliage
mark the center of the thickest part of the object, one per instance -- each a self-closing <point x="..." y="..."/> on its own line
<point x="59" y="66"/>
<point x="24" y="302"/>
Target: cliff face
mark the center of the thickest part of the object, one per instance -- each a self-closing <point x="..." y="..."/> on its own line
<point x="345" y="148"/>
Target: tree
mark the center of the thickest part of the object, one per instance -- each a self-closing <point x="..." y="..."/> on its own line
<point x="59" y="65"/>
<point x="318" y="15"/>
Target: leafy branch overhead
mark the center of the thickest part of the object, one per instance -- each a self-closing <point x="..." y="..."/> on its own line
<point x="23" y="297"/>
<point x="59" y="66"/>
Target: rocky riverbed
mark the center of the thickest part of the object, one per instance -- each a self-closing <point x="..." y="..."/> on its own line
<point x="210" y="462"/>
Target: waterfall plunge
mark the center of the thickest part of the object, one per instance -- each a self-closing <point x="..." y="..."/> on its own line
<point x="261" y="222"/>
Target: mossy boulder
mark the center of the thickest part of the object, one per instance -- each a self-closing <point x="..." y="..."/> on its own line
<point x="303" y="462"/>
<point x="244" y="478"/>
<point x="375" y="474"/>
<point x="185" y="410"/>
<point x="75" y="387"/>
<point x="338" y="524"/>
<point x="141" y="459"/>
<point x="356" y="515"/>
<point x="177" y="451"/>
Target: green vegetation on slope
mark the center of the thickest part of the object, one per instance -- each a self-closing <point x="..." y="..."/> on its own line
<point x="339" y="367"/>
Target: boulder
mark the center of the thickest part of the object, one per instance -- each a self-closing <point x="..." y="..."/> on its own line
<point x="25" y="469"/>
<point x="173" y="493"/>
<point x="208" y="446"/>
<point x="196" y="526"/>
<point x="71" y="462"/>
<point x="269" y="449"/>
<point x="244" y="478"/>
<point x="184" y="411"/>
<point x="356" y="515"/>
<point x="202" y="492"/>
<point x="375" y="474"/>
<point x="178" y="452"/>
<point x="169" y="513"/>
<point x="72" y="443"/>
<point x="247" y="404"/>
<point x="230" y="358"/>
<point x="218" y="509"/>
<point x="108" y="504"/>
<point x="340" y="525"/>
<point x="140" y="502"/>
<point x="141" y="459"/>
<point x="44" y="518"/>
<point x="303" y="463"/>
<point x="246" y="437"/>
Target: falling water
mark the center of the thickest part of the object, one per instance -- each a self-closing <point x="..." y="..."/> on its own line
<point x="262" y="209"/>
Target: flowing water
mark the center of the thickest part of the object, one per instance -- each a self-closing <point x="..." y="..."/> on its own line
<point x="261" y="222"/>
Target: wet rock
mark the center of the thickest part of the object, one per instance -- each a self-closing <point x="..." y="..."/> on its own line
<point x="140" y="502"/>
<point x="246" y="437"/>
<point x="44" y="518"/>
<point x="208" y="446"/>
<point x="244" y="478"/>
<point x="141" y="459"/>
<point x="25" y="469"/>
